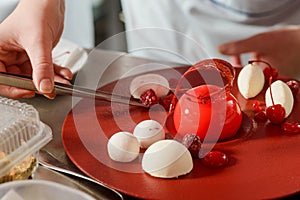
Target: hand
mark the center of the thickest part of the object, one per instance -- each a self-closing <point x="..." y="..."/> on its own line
<point x="27" y="38"/>
<point x="279" y="47"/>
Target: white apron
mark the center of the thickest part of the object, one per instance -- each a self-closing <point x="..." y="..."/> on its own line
<point x="190" y="30"/>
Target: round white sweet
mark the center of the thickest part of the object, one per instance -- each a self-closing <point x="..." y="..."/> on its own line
<point x="148" y="131"/>
<point x="251" y="80"/>
<point x="167" y="159"/>
<point x="282" y="95"/>
<point x="123" y="147"/>
<point x="142" y="83"/>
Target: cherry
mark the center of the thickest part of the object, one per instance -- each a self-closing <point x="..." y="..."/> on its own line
<point x="166" y="101"/>
<point x="290" y="127"/>
<point x="149" y="98"/>
<point x="215" y="159"/>
<point x="257" y="107"/>
<point x="261" y="116"/>
<point x="193" y="143"/>
<point x="294" y="86"/>
<point x="268" y="72"/>
<point x="275" y="113"/>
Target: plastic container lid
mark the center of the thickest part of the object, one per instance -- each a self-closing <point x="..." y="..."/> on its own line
<point x="21" y="133"/>
<point x="40" y="189"/>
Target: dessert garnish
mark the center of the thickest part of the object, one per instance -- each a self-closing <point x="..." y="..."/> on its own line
<point x="279" y="100"/>
<point x="215" y="159"/>
<point x="149" y="98"/>
<point x="144" y="82"/>
<point x="279" y="97"/>
<point x="123" y="147"/>
<point x="251" y="80"/>
<point x="168" y="101"/>
<point x="290" y="127"/>
<point x="193" y="143"/>
<point x="167" y="159"/>
<point x="148" y="131"/>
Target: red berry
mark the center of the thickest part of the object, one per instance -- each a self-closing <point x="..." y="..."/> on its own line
<point x="215" y="159"/>
<point x="149" y="98"/>
<point x="294" y="86"/>
<point x="193" y="143"/>
<point x="289" y="127"/>
<point x="256" y="107"/>
<point x="270" y="71"/>
<point x="167" y="100"/>
<point x="275" y="114"/>
<point x="260" y="116"/>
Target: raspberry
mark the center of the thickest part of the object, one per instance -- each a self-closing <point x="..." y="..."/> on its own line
<point x="149" y="98"/>
<point x="193" y="143"/>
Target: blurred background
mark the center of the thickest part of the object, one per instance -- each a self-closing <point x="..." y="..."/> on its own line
<point x="90" y="22"/>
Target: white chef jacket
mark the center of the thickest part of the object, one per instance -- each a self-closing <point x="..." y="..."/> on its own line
<point x="187" y="31"/>
<point x="79" y="20"/>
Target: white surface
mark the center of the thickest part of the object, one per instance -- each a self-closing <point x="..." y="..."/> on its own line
<point x="41" y="190"/>
<point x="70" y="55"/>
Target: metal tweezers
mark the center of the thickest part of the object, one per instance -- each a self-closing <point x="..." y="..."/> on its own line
<point x="25" y="82"/>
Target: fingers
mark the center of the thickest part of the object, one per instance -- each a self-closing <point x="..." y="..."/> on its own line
<point x="236" y="60"/>
<point x="15" y="93"/>
<point x="42" y="66"/>
<point x="12" y="92"/>
<point x="251" y="44"/>
<point x="63" y="72"/>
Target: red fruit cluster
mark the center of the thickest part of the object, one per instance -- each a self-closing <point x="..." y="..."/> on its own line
<point x="149" y="98"/>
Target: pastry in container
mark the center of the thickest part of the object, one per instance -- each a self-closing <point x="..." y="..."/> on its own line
<point x="22" y="134"/>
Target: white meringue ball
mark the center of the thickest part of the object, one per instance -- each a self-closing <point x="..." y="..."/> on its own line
<point x="148" y="131"/>
<point x="167" y="159"/>
<point x="251" y="80"/>
<point x="123" y="147"/>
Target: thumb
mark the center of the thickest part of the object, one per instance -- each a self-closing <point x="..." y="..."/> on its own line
<point x="40" y="55"/>
<point x="247" y="45"/>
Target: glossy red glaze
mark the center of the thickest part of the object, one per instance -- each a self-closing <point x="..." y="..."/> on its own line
<point x="192" y="115"/>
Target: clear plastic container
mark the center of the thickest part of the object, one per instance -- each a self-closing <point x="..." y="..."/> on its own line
<point x="22" y="134"/>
